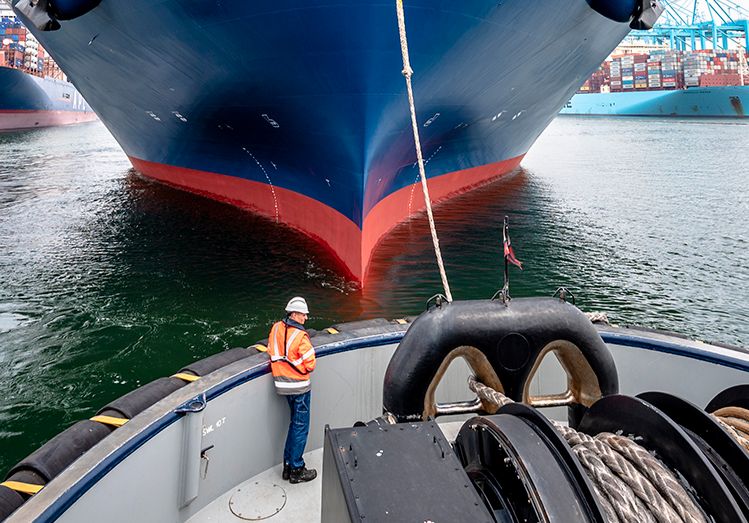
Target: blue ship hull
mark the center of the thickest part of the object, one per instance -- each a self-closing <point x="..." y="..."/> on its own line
<point x="298" y="111"/>
<point x="28" y="101"/>
<point x="713" y="102"/>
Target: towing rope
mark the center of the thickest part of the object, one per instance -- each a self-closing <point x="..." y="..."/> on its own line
<point x="734" y="420"/>
<point x="631" y="484"/>
<point x="408" y="72"/>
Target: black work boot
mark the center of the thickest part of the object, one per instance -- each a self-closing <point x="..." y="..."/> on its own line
<point x="286" y="471"/>
<point x="302" y="475"/>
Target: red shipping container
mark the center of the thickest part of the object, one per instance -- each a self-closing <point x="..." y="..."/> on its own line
<point x="717" y="80"/>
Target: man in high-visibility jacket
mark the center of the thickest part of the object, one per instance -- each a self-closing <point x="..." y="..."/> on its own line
<point x="292" y="361"/>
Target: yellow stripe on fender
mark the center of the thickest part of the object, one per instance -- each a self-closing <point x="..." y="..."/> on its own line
<point x="331" y="330"/>
<point x="110" y="420"/>
<point x="26" y="488"/>
<point x="401" y="321"/>
<point x="185" y="376"/>
<point x="260" y="347"/>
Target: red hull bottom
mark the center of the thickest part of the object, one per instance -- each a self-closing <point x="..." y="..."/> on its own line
<point x="19" y="120"/>
<point x="351" y="245"/>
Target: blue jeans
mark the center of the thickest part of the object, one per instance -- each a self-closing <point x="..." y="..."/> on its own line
<point x="296" y="439"/>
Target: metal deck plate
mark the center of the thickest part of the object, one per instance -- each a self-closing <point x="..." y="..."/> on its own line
<point x="257" y="501"/>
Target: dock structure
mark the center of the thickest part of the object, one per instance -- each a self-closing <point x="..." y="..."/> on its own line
<point x="693" y="25"/>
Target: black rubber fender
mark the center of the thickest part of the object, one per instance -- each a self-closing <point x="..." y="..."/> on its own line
<point x="26" y="476"/>
<point x="222" y="359"/>
<point x="135" y="402"/>
<point x="10" y="500"/>
<point x="360" y="324"/>
<point x="511" y="337"/>
<point x="54" y="456"/>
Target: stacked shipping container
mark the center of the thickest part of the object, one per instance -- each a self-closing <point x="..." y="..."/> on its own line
<point x="665" y="69"/>
<point x="20" y="50"/>
<point x="615" y="68"/>
<point x="628" y="72"/>
<point x="641" y="72"/>
<point x="670" y="67"/>
<point x="654" y="72"/>
<point x="596" y="81"/>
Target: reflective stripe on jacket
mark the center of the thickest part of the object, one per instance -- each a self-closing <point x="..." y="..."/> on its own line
<point x="292" y="357"/>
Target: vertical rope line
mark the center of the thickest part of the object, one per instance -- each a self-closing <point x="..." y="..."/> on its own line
<point x="407" y="72"/>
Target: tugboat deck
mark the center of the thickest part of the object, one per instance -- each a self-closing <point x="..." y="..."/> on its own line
<point x="210" y="450"/>
<point x="268" y="497"/>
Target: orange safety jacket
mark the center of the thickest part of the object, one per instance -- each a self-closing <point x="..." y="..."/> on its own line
<point x="292" y="357"/>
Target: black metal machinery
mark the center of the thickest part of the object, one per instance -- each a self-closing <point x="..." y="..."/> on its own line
<point x="520" y="468"/>
<point x="519" y="464"/>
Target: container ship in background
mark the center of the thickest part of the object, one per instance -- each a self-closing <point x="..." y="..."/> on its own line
<point x="33" y="89"/>
<point x="297" y="110"/>
<point x="662" y="82"/>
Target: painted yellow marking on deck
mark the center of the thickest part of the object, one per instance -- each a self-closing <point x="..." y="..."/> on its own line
<point x="19" y="486"/>
<point x="110" y="420"/>
<point x="185" y="376"/>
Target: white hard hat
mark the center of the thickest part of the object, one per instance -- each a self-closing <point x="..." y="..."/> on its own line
<point x="297" y="304"/>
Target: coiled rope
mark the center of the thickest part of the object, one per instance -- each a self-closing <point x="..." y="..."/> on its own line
<point x="734" y="419"/>
<point x="408" y="72"/>
<point x="631" y="484"/>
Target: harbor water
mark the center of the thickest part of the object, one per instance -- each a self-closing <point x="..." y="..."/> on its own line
<point x="108" y="281"/>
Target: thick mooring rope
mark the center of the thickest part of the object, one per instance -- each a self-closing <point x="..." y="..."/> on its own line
<point x="631" y="484"/>
<point x="736" y="421"/>
<point x="408" y="72"/>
